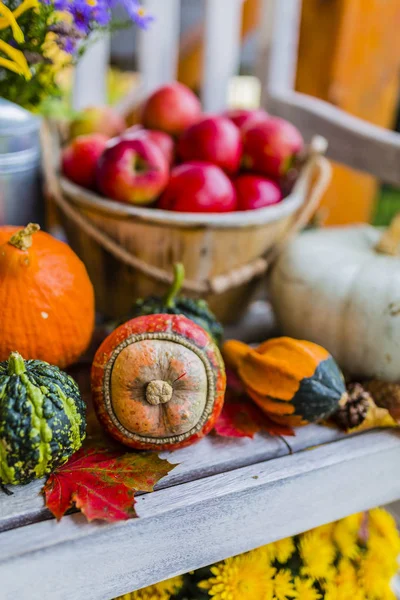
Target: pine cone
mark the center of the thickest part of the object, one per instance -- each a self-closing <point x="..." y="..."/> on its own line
<point x="385" y="395"/>
<point x="354" y="412"/>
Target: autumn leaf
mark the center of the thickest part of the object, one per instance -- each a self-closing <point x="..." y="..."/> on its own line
<point x="102" y="483"/>
<point x="376" y="417"/>
<point x="240" y="417"/>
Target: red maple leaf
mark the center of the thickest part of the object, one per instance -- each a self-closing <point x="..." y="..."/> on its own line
<point x="240" y="417"/>
<point x="102" y="483"/>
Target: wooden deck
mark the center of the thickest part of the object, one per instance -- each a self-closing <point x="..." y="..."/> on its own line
<point x="225" y="497"/>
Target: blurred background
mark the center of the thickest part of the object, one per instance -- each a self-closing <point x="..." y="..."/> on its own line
<point x="348" y="53"/>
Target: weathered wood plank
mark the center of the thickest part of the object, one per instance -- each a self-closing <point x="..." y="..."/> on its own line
<point x="210" y="456"/>
<point x="193" y="524"/>
<point x="352" y="141"/>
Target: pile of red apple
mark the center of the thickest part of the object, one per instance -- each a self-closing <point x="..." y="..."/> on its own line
<point x="181" y="159"/>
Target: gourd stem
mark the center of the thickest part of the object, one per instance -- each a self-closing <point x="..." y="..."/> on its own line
<point x="23" y="238"/>
<point x="179" y="276"/>
<point x="390" y="240"/>
<point x="16" y="364"/>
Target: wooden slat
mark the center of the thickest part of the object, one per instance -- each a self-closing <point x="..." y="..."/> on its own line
<point x="352" y="141"/>
<point x="210" y="456"/>
<point x="90" y="76"/>
<point x="158" y="45"/>
<point x="222" y="51"/>
<point x="278" y="37"/>
<point x="349" y="55"/>
<point x="190" y="525"/>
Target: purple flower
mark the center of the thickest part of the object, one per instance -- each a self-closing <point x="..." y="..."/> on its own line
<point x="82" y="14"/>
<point x="101" y="12"/>
<point x="138" y="14"/>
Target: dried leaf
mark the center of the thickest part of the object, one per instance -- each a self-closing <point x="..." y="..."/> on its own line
<point x="376" y="417"/>
<point x="102" y="483"/>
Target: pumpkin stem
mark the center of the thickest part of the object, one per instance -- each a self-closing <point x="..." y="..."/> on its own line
<point x="179" y="276"/>
<point x="16" y="364"/>
<point x="390" y="240"/>
<point x="23" y="238"/>
<point x="158" y="392"/>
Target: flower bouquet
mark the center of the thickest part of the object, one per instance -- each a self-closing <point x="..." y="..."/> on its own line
<point x="39" y="38"/>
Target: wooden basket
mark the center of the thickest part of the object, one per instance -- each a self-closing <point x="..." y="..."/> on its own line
<point x="129" y="251"/>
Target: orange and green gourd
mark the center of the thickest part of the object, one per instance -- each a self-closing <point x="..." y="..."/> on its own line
<point x="158" y="382"/>
<point x="42" y="419"/>
<point x="46" y="297"/>
<point x="295" y="382"/>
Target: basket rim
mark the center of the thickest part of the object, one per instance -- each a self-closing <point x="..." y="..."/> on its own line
<point x="261" y="216"/>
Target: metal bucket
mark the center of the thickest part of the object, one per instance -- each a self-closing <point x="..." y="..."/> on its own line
<point x="21" y="198"/>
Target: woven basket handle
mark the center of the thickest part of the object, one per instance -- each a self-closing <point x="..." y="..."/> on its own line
<point x="215" y="285"/>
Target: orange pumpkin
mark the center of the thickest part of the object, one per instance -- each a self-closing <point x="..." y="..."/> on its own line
<point x="46" y="298"/>
<point x="158" y="382"/>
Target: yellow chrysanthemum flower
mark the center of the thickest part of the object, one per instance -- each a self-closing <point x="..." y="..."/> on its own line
<point x="374" y="576"/>
<point x="325" y="531"/>
<point x="305" y="589"/>
<point x="383" y="523"/>
<point x="346" y="539"/>
<point x="344" y="592"/>
<point x="243" y="577"/>
<point x="159" y="591"/>
<point x="283" y="549"/>
<point x="317" y="555"/>
<point x="283" y="585"/>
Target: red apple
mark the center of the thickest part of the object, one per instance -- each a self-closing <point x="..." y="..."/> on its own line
<point x="97" y="119"/>
<point x="254" y="192"/>
<point x="79" y="159"/>
<point x="215" y="140"/>
<point x="161" y="139"/>
<point x="132" y="170"/>
<point x="171" y="108"/>
<point x="198" y="187"/>
<point x="269" y="147"/>
<point x="241" y="116"/>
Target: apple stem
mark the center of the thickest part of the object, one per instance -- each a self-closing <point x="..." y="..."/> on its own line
<point x="179" y="276"/>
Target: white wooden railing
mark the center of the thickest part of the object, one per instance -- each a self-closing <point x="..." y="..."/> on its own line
<point x="158" y="50"/>
<point x="352" y="141"/>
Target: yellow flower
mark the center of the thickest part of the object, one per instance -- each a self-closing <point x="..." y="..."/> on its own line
<point x="318" y="555"/>
<point x="382" y="523"/>
<point x="244" y="577"/>
<point x="284" y="549"/>
<point x="305" y="589"/>
<point x="374" y="575"/>
<point x="159" y="591"/>
<point x="345" y="534"/>
<point x="283" y="585"/>
<point x="344" y="592"/>
<point x="15" y="60"/>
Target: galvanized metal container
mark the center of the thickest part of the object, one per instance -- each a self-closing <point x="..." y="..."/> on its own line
<point x="21" y="198"/>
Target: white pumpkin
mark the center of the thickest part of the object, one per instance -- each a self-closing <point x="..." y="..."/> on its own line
<point x="332" y="287"/>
